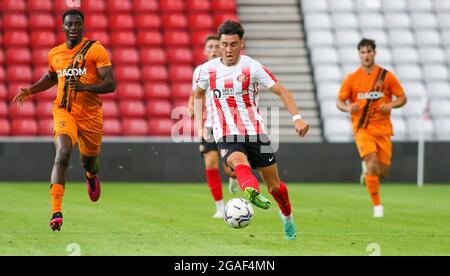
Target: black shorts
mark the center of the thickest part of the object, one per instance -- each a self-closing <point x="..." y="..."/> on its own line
<point x="258" y="149"/>
<point x="208" y="145"/>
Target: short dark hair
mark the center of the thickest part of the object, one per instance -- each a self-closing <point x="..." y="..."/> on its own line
<point x="365" y="42"/>
<point x="73" y="12"/>
<point x="212" y="37"/>
<point x="231" y="27"/>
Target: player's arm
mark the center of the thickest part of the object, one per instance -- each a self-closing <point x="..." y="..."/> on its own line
<point x="344" y="95"/>
<point x="344" y="107"/>
<point x="397" y="90"/>
<point x="191" y="104"/>
<point x="199" y="107"/>
<point x="397" y="103"/>
<point x="46" y="82"/>
<point x="106" y="85"/>
<point x="301" y="126"/>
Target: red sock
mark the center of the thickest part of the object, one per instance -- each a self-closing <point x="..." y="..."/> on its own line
<point x="373" y="185"/>
<point x="282" y="198"/>
<point x="245" y="177"/>
<point x="214" y="183"/>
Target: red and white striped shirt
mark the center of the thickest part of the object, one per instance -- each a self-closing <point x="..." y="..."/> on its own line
<point x="209" y="108"/>
<point x="235" y="95"/>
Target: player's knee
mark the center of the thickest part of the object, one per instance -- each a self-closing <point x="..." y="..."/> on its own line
<point x="373" y="168"/>
<point x="62" y="158"/>
<point x="211" y="164"/>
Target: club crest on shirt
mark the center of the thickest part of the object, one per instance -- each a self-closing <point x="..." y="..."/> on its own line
<point x="62" y="124"/>
<point x="79" y="58"/>
<point x="242" y="78"/>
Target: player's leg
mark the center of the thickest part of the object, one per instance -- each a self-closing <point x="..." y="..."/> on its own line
<point x="373" y="182"/>
<point x="280" y="193"/>
<point x="90" y="140"/>
<point x="211" y="158"/>
<point x="232" y="181"/>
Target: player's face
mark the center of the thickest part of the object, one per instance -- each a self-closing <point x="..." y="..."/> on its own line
<point x="212" y="49"/>
<point x="73" y="26"/>
<point x="230" y="46"/>
<point x="367" y="56"/>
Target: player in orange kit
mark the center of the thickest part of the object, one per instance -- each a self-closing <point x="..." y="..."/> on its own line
<point x="367" y="94"/>
<point x="82" y="70"/>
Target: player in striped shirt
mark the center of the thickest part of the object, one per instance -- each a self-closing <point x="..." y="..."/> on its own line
<point x="208" y="147"/>
<point x="237" y="123"/>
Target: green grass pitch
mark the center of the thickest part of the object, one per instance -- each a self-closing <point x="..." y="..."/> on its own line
<point x="166" y="219"/>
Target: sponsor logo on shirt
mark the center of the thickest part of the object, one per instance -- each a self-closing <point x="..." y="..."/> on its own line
<point x="72" y="72"/>
<point x="227" y="92"/>
<point x="242" y="78"/>
<point x="374" y="95"/>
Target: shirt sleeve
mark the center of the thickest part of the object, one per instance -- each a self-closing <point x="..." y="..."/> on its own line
<point x="195" y="77"/>
<point x="101" y="56"/>
<point x="346" y="89"/>
<point x="203" y="78"/>
<point x="394" y="85"/>
<point x="264" y="76"/>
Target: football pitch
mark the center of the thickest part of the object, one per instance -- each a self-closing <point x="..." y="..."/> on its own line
<point x="175" y="219"/>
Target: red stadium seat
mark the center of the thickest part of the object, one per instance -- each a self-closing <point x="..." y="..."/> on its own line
<point x="171" y="5"/>
<point x="28" y="110"/>
<point x="180" y="103"/>
<point x="132" y="109"/>
<point x="94" y="6"/>
<point x="121" y="22"/>
<point x="16" y="38"/>
<point x="109" y="96"/>
<point x="176" y="38"/>
<point x="112" y="127"/>
<point x="130" y="91"/>
<point x="5" y="128"/>
<point x="102" y="37"/>
<point x="224" y="5"/>
<point x="39" y="71"/>
<point x="3" y="109"/>
<point x="45" y="127"/>
<point x="123" y="38"/>
<point x="19" y="73"/>
<point x="42" y="21"/>
<point x="198" y="37"/>
<point x="148" y="21"/>
<point x="3" y="91"/>
<point x="179" y="55"/>
<point x="2" y="56"/>
<point x="2" y="74"/>
<point x="40" y="55"/>
<point x="128" y="73"/>
<point x="199" y="56"/>
<point x="110" y="109"/>
<point x="198" y="5"/>
<point x="96" y="21"/>
<point x="13" y="5"/>
<point x="220" y="18"/>
<point x="44" y="109"/>
<point x="119" y="5"/>
<point x="125" y="56"/>
<point x="174" y="21"/>
<point x="150" y="38"/>
<point x="134" y="127"/>
<point x="18" y="56"/>
<point x="180" y="73"/>
<point x="160" y="127"/>
<point x="159" y="108"/>
<point x="41" y="5"/>
<point x="44" y="38"/>
<point x="145" y="6"/>
<point x="15" y="21"/>
<point x="49" y="95"/>
<point x="181" y="91"/>
<point x="156" y="90"/>
<point x="24" y="127"/>
<point x="152" y="56"/>
<point x="201" y="21"/>
<point x="1" y="39"/>
<point x="154" y="73"/>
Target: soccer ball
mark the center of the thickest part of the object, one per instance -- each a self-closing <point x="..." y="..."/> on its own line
<point x="238" y="213"/>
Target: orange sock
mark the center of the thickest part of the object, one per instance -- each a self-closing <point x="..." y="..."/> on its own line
<point x="57" y="194"/>
<point x="373" y="185"/>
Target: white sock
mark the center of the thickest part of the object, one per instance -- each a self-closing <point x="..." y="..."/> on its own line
<point x="288" y="218"/>
<point x="220" y="206"/>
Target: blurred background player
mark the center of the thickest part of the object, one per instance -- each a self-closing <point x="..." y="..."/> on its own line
<point x="238" y="125"/>
<point x="208" y="147"/>
<point x="82" y="69"/>
<point x="369" y="92"/>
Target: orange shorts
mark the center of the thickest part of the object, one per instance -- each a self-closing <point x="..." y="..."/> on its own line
<point x="381" y="145"/>
<point x="87" y="133"/>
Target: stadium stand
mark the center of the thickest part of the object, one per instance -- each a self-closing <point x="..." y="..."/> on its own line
<point x="412" y="41"/>
<point x="149" y="43"/>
